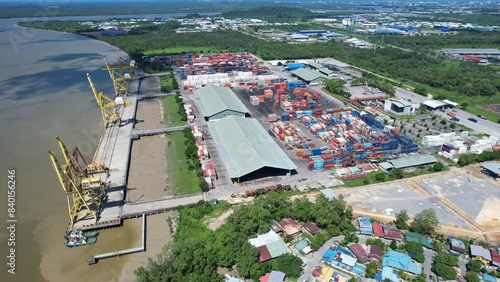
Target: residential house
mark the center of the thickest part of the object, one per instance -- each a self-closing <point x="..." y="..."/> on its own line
<point x="415" y="237"/>
<point x="310" y="228"/>
<point x="359" y="252"/>
<point x="365" y="226"/>
<point x="377" y="230"/>
<point x="273" y="276"/>
<point x="303" y="247"/>
<point x="480" y="253"/>
<point x="401" y="261"/>
<point x="375" y="253"/>
<point x="457" y="246"/>
<point x="290" y="226"/>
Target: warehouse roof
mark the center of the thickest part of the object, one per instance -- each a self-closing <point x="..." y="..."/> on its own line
<point x="413" y="161"/>
<point x="328" y="193"/>
<point x="214" y="99"/>
<point x="492" y="168"/>
<point x="245" y="146"/>
<point x="326" y="71"/>
<point x="315" y="65"/>
<point x="308" y="75"/>
<point x="479" y="251"/>
<point x="434" y="104"/>
<point x="473" y="51"/>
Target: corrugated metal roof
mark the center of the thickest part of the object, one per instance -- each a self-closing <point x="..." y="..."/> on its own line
<point x="214" y="99"/>
<point x="315" y="65"/>
<point x="326" y="71"/>
<point x="413" y="161"/>
<point x="276" y="276"/>
<point x="473" y="51"/>
<point x="308" y="75"/>
<point x="493" y="167"/>
<point x="433" y="103"/>
<point x="245" y="146"/>
<point x="328" y="193"/>
<point x="277" y="249"/>
<point x="479" y="251"/>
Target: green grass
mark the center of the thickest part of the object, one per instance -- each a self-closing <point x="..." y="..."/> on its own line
<point x="171" y="115"/>
<point x="180" y="49"/>
<point x="166" y="83"/>
<point x="181" y="180"/>
<point x="336" y="96"/>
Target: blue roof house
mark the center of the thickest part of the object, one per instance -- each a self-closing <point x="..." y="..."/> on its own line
<point x="401" y="261"/>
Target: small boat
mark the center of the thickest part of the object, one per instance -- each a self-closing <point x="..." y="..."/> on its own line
<point x="92" y="233"/>
<point x="76" y="238"/>
<point x="81" y="241"/>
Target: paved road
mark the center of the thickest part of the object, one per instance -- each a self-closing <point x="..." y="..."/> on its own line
<point x="429" y="256"/>
<point x="481" y="126"/>
<point x="311" y="264"/>
<point x="410" y="96"/>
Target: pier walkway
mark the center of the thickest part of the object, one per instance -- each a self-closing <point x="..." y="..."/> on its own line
<point x="132" y="210"/>
<point x="141" y="97"/>
<point x="155" y="131"/>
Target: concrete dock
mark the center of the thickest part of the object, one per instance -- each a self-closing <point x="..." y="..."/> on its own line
<point x="114" y="151"/>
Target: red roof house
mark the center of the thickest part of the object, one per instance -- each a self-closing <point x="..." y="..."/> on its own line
<point x="375" y="253"/>
<point x="290" y="226"/>
<point x="391" y="234"/>
<point x="495" y="257"/>
<point x="377" y="230"/>
<point x="311" y="228"/>
<point x="264" y="254"/>
<point x="359" y="252"/>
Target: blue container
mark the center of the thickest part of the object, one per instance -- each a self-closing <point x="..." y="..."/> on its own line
<point x="285" y="117"/>
<point x="316" y="151"/>
<point x="308" y="113"/>
<point x="325" y="102"/>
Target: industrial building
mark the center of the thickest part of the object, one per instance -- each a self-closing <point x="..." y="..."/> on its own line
<point x="247" y="150"/>
<point x="492" y="169"/>
<point x="411" y="161"/>
<point x="309" y="76"/>
<point x="216" y="102"/>
<point x="299" y="37"/>
<point x="311" y="31"/>
<point x="471" y="51"/>
<point x="400" y="106"/>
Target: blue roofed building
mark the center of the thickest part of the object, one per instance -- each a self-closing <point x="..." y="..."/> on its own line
<point x="401" y="261"/>
<point x="489" y="278"/>
<point x="387" y="273"/>
<point x="365" y="226"/>
<point x="344" y="259"/>
<point x="311" y="31"/>
<point x="293" y="67"/>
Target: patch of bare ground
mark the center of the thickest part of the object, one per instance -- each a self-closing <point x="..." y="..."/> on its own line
<point x="214" y="223"/>
<point x="492" y="108"/>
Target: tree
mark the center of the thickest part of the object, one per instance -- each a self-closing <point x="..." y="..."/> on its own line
<point x="288" y="264"/>
<point x="425" y="222"/>
<point x="464" y="105"/>
<point x="371" y="269"/>
<point x="380" y="176"/>
<point x="349" y="238"/>
<point x="472" y="277"/>
<point x="420" y="257"/>
<point x="393" y="245"/>
<point x="419" y="278"/>
<point x="397" y="173"/>
<point x="474" y="265"/>
<point x="438" y="166"/>
<point x="401" y="220"/>
<point x="414" y="247"/>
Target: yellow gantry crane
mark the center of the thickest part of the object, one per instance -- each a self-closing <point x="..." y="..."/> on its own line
<point x="84" y="191"/>
<point x="109" y="108"/>
<point x="120" y="73"/>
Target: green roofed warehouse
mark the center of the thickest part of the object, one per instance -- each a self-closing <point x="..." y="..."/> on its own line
<point x="247" y="150"/>
<point x="216" y="102"/>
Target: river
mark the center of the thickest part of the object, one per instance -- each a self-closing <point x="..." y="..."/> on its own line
<point x="44" y="93"/>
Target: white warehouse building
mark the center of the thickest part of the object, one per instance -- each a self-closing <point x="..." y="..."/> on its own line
<point x="400" y="106"/>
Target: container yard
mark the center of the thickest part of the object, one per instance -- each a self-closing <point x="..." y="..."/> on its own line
<point x="316" y="135"/>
